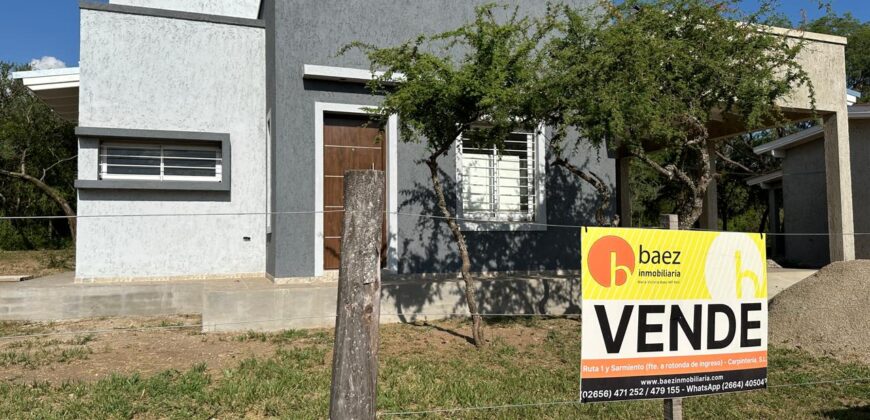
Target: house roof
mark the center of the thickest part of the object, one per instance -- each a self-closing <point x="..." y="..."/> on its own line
<point x="58" y="88"/>
<point x="859" y="112"/>
<point x="767" y="180"/>
<point x="778" y="147"/>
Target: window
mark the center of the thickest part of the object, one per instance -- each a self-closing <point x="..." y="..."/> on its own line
<point x="161" y="162"/>
<point x="502" y="185"/>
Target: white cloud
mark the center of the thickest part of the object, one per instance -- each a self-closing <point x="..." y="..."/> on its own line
<point x="46" y="62"/>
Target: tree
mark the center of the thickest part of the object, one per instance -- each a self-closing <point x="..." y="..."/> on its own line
<point x="857" y="50"/>
<point x="648" y="76"/>
<point x="37" y="152"/>
<point x="470" y="82"/>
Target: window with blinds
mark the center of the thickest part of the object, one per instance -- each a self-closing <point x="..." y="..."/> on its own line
<point x="499" y="184"/>
<point x="160" y="162"/>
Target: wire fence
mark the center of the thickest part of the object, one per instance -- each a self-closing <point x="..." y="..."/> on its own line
<point x="773" y="387"/>
<point x="396" y="213"/>
<point x="433" y="315"/>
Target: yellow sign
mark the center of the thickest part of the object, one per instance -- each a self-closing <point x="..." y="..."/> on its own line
<point x="670" y="313"/>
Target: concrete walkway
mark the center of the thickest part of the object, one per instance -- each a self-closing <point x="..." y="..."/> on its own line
<point x="259" y="304"/>
<point x="779" y="279"/>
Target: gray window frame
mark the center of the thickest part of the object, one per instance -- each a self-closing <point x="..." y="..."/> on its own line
<point x="91" y="137"/>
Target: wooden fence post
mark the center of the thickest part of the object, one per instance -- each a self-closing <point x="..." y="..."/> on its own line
<point x="355" y="356"/>
<point x="673" y="407"/>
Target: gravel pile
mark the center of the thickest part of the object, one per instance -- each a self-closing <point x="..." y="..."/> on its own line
<point x="827" y="314"/>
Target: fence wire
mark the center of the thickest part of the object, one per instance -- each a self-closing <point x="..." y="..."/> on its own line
<point x="577" y="402"/>
<point x="413" y="317"/>
<point x="404" y="214"/>
<point x="434" y="411"/>
<point x="209" y="326"/>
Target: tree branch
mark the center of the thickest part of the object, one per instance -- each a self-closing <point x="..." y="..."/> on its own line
<point x="23" y="158"/>
<point x="51" y="192"/>
<point x="45" y="171"/>
<point x="670" y="171"/>
<point x="600" y="186"/>
<point x="738" y="165"/>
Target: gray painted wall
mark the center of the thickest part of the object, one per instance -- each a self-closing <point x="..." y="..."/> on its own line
<point x="311" y="32"/>
<point x="805" y="206"/>
<point x="141" y="72"/>
<point x="237" y="8"/>
<point x="859" y="142"/>
<point x="804" y="197"/>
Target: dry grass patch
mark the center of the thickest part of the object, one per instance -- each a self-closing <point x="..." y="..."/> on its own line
<point x="36" y="263"/>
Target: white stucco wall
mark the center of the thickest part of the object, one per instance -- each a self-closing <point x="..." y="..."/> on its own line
<point x="142" y="72"/>
<point x="236" y="8"/>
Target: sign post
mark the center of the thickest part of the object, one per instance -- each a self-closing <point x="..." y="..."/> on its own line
<point x="669" y="314"/>
<point x="673" y="407"/>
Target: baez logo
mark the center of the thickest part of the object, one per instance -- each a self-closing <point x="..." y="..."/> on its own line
<point x="611" y="261"/>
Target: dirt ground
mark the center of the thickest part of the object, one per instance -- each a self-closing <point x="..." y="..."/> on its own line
<point x="93" y="349"/>
<point x="826" y="314"/>
<point x="36" y="263"/>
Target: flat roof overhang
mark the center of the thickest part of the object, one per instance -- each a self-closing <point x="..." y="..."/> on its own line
<point x="58" y="88"/>
<point x="766" y="181"/>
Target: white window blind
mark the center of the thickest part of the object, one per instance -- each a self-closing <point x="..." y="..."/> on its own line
<point x="163" y="162"/>
<point x="500" y="184"/>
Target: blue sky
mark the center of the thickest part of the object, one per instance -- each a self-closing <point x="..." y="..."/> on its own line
<point x="38" y="28"/>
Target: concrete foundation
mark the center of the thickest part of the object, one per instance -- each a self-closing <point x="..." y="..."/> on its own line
<point x="259" y="305"/>
<point x="293" y="307"/>
<point x="57" y="298"/>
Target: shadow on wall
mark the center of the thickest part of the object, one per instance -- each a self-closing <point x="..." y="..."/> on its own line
<point x="430" y="248"/>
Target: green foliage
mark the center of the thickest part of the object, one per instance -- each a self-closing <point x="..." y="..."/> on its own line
<point x="481" y="72"/>
<point x="31" y="134"/>
<point x="857" y="50"/>
<point x="649" y="77"/>
<point x="649" y="72"/>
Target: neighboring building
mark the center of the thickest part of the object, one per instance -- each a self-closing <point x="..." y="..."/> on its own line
<point x="197" y="119"/>
<point x="798" y="192"/>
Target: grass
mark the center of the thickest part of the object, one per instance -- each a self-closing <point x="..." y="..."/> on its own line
<point x="11" y="328"/>
<point x="421" y="370"/>
<point x="35" y="353"/>
<point x="285" y="337"/>
<point x="37" y="263"/>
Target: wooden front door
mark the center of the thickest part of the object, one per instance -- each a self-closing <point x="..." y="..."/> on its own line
<point x="349" y="142"/>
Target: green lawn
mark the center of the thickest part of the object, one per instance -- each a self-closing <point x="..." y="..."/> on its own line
<point x="421" y="370"/>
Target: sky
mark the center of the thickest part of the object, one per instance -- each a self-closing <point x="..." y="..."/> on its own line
<point x="48" y="30"/>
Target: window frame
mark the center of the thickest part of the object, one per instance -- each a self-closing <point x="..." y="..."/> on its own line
<point x="535" y="220"/>
<point x="105" y="175"/>
<point x="91" y="140"/>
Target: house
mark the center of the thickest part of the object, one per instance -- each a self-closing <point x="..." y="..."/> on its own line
<point x="797" y="192"/>
<point x="213" y="137"/>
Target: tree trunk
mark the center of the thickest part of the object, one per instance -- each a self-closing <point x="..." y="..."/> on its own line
<point x="355" y="354"/>
<point x="699" y="189"/>
<point x="604" y="192"/>
<point x="52" y="193"/>
<point x="690" y="215"/>
<point x="465" y="269"/>
<point x="691" y="210"/>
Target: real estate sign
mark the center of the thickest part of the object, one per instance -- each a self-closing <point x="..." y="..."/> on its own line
<point x="670" y="313"/>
